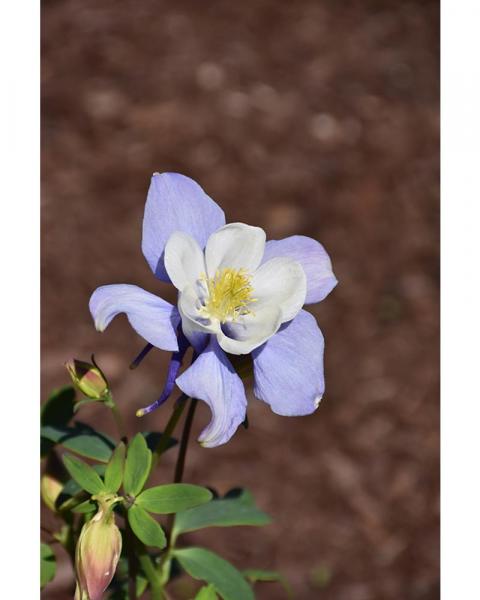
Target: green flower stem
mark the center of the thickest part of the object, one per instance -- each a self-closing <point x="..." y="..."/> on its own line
<point x="179" y="467"/>
<point x="118" y="418"/>
<point x="182" y="453"/>
<point x="178" y="476"/>
<point x="170" y="427"/>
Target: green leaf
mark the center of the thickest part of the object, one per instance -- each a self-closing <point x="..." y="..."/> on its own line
<point x="208" y="566"/>
<point x="255" y="575"/>
<point x="114" y="471"/>
<point x="207" y="592"/>
<point x="47" y="564"/>
<point x="86" y="477"/>
<point x="81" y="439"/>
<point x="58" y="409"/>
<point x="145" y="527"/>
<point x="71" y="487"/>
<point x="226" y="512"/>
<point x="171" y="498"/>
<point x="137" y="466"/>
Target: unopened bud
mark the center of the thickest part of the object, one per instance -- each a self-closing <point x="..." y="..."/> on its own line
<point x="88" y="379"/>
<point x="50" y="489"/>
<point x="97" y="553"/>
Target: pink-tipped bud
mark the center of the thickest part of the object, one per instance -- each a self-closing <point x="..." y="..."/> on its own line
<point x="50" y="489"/>
<point x="97" y="553"/>
<point x="88" y="379"/>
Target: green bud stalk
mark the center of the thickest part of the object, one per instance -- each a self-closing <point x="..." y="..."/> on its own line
<point x="88" y="378"/>
<point x="97" y="552"/>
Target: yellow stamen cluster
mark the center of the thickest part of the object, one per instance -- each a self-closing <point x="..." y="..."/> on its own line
<point x="229" y="294"/>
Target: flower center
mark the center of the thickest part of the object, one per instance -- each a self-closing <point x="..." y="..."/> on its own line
<point x="229" y="294"/>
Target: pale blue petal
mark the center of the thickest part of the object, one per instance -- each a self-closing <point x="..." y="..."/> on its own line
<point x="314" y="260"/>
<point x="288" y="368"/>
<point x="212" y="379"/>
<point x="176" y="203"/>
<point x="151" y="317"/>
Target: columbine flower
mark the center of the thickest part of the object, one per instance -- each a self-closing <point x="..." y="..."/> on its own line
<point x="238" y="294"/>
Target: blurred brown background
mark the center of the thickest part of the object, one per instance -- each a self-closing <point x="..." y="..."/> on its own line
<point x="311" y="117"/>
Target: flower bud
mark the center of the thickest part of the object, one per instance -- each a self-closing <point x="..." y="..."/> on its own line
<point x="97" y="553"/>
<point x="88" y="379"/>
<point x="50" y="489"/>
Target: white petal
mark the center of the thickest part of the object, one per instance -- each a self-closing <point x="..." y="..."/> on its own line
<point x="280" y="282"/>
<point x="235" y="246"/>
<point x="184" y="260"/>
<point x="251" y="331"/>
<point x="188" y="305"/>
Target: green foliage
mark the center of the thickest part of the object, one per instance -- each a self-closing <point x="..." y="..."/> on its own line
<point x="81" y="439"/>
<point x="223" y="576"/>
<point x="86" y="477"/>
<point x="171" y="498"/>
<point x="71" y="487"/>
<point x="207" y="592"/>
<point x="58" y="409"/>
<point x="56" y="412"/>
<point x="137" y="465"/>
<point x="255" y="575"/>
<point x="224" y="512"/>
<point x="47" y="564"/>
<point x="145" y="527"/>
<point x="114" y="470"/>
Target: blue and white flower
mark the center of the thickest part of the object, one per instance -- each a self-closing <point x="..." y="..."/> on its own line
<point x="237" y="294"/>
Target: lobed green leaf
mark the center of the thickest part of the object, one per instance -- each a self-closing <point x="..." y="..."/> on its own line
<point x="145" y="527"/>
<point x="225" y="512"/>
<point x="208" y="566"/>
<point x="174" y="497"/>
<point x="137" y="465"/>
<point x="114" y="470"/>
<point x="86" y="477"/>
<point x="81" y="439"/>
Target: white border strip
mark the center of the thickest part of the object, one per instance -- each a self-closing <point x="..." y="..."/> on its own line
<point x="460" y="352"/>
<point x="20" y="285"/>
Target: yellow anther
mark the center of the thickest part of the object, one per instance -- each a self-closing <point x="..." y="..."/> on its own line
<point x="229" y="295"/>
